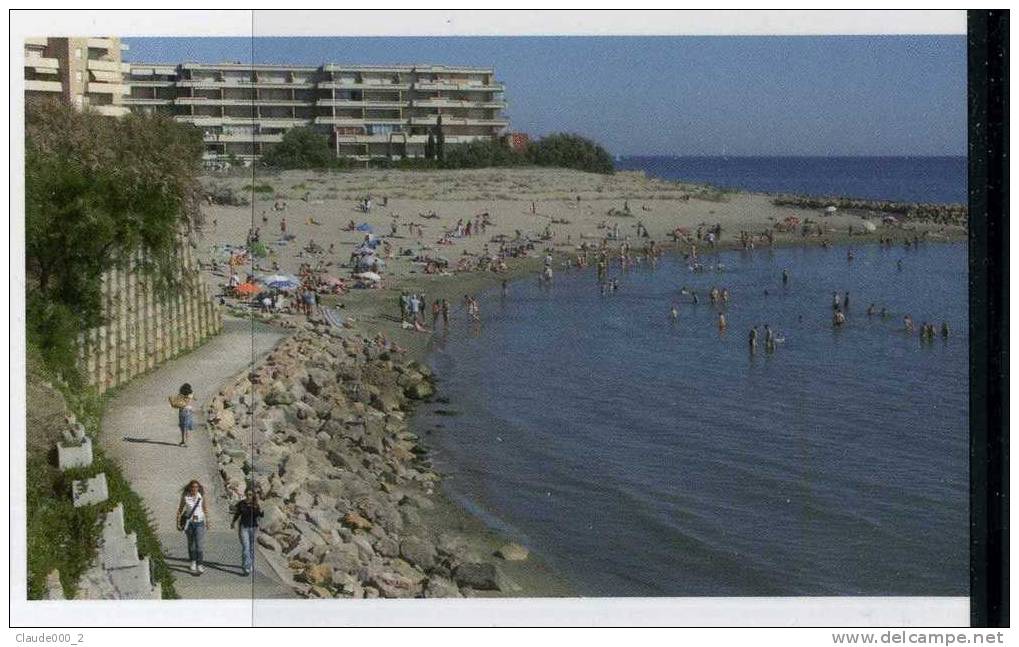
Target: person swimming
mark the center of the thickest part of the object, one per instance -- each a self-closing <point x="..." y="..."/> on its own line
<point x="721" y="322"/>
<point x="870" y="310"/>
<point x="753" y="341"/>
<point x="674" y="312"/>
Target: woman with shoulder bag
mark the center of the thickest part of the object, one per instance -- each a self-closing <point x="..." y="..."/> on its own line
<point x="193" y="520"/>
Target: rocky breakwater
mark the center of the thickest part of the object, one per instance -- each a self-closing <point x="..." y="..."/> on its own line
<point x="320" y="429"/>
<point x="943" y="214"/>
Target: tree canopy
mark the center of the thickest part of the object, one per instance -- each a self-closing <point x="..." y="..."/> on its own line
<point x="302" y="148"/>
<point x="98" y="190"/>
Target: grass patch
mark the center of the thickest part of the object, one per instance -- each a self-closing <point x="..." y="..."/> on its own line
<point x="259" y="188"/>
<point x="60" y="536"/>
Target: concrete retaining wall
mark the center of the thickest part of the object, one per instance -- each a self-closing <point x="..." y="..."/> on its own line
<point x="142" y="330"/>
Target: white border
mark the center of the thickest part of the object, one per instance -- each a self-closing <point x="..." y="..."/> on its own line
<point x="842" y="611"/>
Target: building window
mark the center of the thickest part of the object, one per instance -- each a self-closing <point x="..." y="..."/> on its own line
<point x="77" y="53"/>
<point x="77" y="75"/>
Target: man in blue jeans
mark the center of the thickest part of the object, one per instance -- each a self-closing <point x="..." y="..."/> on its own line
<point x="247" y="512"/>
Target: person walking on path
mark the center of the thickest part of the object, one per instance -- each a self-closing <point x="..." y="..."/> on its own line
<point x="247" y="512"/>
<point x="184" y="402"/>
<point x="193" y="521"/>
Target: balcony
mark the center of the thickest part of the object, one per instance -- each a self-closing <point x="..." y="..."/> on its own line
<point x="111" y="111"/>
<point x="151" y="83"/>
<point x="147" y="101"/>
<point x="459" y="87"/>
<point x="152" y="70"/>
<point x="354" y="85"/>
<point x="37" y="42"/>
<point x="350" y="103"/>
<point x="242" y="137"/>
<point x="204" y="83"/>
<point x="97" y="87"/>
<point x="458" y="103"/>
<point x="101" y="43"/>
<point x="358" y="121"/>
<point x="42" y="65"/>
<point x="42" y="86"/>
<point x="205" y="101"/>
<point x="266" y="122"/>
<point x="399" y="138"/>
<point x="108" y="66"/>
<point x="458" y="121"/>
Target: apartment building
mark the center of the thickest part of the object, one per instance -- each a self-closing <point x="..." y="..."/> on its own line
<point x="84" y="72"/>
<point x="366" y="111"/>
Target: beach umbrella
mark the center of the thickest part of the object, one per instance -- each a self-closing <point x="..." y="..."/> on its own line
<point x="247" y="288"/>
<point x="280" y="282"/>
<point x="831" y="209"/>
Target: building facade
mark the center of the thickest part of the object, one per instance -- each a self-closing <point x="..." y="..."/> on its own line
<point x="366" y="111"/>
<point x="84" y="72"/>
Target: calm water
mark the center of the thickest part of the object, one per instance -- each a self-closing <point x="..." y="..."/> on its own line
<point x="642" y="457"/>
<point x="905" y="179"/>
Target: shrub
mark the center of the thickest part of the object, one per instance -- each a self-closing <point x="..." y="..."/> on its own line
<point x="570" y="151"/>
<point x="97" y="191"/>
<point x="301" y="148"/>
<point x="482" y="154"/>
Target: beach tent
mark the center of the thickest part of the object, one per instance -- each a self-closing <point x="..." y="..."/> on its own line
<point x="365" y="227"/>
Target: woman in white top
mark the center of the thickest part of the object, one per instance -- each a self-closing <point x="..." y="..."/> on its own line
<point x="192" y="519"/>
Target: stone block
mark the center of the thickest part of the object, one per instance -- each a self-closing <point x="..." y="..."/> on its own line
<point x="70" y="456"/>
<point x="90" y="491"/>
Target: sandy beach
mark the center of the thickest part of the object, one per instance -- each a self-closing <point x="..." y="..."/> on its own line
<point x="554" y="209"/>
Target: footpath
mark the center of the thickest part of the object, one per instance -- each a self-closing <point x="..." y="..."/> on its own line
<point x="139" y="430"/>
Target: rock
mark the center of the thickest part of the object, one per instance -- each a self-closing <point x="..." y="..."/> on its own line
<point x="317" y="380"/>
<point x="323" y="520"/>
<point x="451" y="545"/>
<point x="479" y="576"/>
<point x="267" y="541"/>
<point x="440" y="587"/>
<point x="387" y="547"/>
<point x="225" y="420"/>
<point x="419" y="390"/>
<point x="344" y="557"/>
<point x="418" y="552"/>
<point x="274" y="519"/>
<point x="513" y="552"/>
<point x="279" y="395"/>
<point x="317" y="574"/>
<point x="356" y="521"/>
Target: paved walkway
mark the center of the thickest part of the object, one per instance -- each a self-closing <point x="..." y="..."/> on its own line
<point x="140" y="430"/>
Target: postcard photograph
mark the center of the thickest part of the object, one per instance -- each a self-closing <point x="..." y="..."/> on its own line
<point x="447" y="316"/>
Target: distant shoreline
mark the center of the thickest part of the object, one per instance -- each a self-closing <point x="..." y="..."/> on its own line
<point x="758" y="174"/>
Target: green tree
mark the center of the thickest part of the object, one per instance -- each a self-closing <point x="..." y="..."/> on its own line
<point x="302" y="148"/>
<point x="99" y="190"/>
<point x="570" y="151"/>
<point x="430" y="146"/>
<point x="440" y="140"/>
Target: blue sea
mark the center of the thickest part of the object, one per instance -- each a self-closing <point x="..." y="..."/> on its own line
<point x="641" y="456"/>
<point x="903" y="179"/>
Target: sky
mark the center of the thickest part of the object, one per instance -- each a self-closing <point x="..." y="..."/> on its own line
<point x="712" y="95"/>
